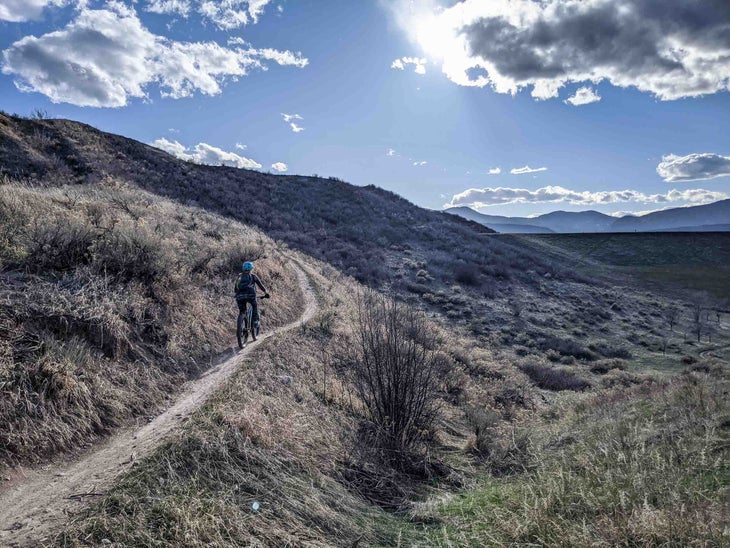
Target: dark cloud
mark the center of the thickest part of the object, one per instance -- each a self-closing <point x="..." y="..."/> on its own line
<point x="671" y="48"/>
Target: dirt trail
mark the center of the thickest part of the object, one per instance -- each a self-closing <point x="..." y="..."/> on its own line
<point x="36" y="503"/>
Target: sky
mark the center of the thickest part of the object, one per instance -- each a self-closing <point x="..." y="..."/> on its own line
<point x="512" y="107"/>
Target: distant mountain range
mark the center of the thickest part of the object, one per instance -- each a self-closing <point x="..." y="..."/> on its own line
<point x="713" y="217"/>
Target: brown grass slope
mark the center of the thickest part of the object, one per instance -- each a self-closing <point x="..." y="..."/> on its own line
<point x="636" y="466"/>
<point x="110" y="293"/>
<point x="109" y="298"/>
<point x="503" y="291"/>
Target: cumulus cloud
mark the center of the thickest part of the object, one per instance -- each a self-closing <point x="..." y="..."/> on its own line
<point x="693" y="167"/>
<point x="17" y="11"/>
<point x="420" y="163"/>
<point x="241" y="146"/>
<point x="526" y="169"/>
<point x="225" y="14"/>
<point x="583" y="96"/>
<point x="670" y="48"/>
<point x="289" y="119"/>
<point x="203" y="153"/>
<point x="390" y="152"/>
<point x="419" y="65"/>
<point x="176" y="7"/>
<point x="279" y="166"/>
<point x="105" y="57"/>
<point x="495" y="171"/>
<point x="483" y="197"/>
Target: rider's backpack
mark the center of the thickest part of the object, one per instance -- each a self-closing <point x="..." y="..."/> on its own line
<point x="245" y="285"/>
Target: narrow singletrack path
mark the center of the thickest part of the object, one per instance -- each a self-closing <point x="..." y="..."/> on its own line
<point x="35" y="506"/>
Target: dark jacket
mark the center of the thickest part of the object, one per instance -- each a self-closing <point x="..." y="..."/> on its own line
<point x="246" y="285"/>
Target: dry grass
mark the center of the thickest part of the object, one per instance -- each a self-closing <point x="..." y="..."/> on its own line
<point x="109" y="297"/>
<point x="276" y="434"/>
<point x="646" y="466"/>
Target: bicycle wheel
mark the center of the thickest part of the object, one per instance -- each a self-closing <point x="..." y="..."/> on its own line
<point x="241" y="329"/>
<point x="249" y="322"/>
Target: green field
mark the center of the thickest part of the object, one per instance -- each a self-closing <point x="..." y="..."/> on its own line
<point x="693" y="261"/>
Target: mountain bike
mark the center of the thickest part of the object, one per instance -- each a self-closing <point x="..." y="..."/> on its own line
<point x="244" y="324"/>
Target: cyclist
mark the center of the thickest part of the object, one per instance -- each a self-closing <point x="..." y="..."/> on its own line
<point x="246" y="291"/>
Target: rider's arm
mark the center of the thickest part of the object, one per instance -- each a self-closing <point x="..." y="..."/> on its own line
<point x="258" y="283"/>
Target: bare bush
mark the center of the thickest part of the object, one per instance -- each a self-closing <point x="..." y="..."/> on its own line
<point x="554" y="379"/>
<point x="395" y="371"/>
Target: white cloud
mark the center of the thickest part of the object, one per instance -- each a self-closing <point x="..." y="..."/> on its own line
<point x="390" y="152"/>
<point x="279" y="166"/>
<point x="583" y="96"/>
<point x="670" y="48"/>
<point x="203" y="153"/>
<point x="526" y="169"/>
<point x="693" y="167"/>
<point x="176" y="7"/>
<point x="289" y="119"/>
<point x="419" y="65"/>
<point x="225" y="14"/>
<point x="643" y="212"/>
<point x="421" y="163"/>
<point x="495" y="170"/>
<point x="241" y="146"/>
<point x="483" y="197"/>
<point x="17" y="11"/>
<point x="105" y="57"/>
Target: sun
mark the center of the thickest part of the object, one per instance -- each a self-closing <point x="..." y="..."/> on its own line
<point x="433" y="37"/>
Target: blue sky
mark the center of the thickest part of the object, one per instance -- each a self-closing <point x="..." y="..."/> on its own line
<point x="487" y="90"/>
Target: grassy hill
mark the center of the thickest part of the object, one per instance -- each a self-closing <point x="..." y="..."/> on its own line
<point x="110" y="298"/>
<point x="682" y="260"/>
<point x="116" y="264"/>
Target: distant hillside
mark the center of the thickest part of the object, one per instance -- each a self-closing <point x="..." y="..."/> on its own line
<point x="519" y="229"/>
<point x="557" y="221"/>
<point x="711" y="217"/>
<point x="697" y="260"/>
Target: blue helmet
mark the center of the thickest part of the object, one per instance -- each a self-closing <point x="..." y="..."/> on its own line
<point x="247" y="266"/>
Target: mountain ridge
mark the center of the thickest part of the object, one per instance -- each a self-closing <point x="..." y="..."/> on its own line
<point x="692" y="218"/>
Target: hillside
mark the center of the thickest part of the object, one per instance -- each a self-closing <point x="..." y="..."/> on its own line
<point x="110" y="298"/>
<point x="672" y="261"/>
<point x="702" y="218"/>
<point x="116" y="263"/>
<point x="717" y="213"/>
<point x="493" y="287"/>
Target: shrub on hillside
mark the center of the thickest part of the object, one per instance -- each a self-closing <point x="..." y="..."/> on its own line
<point x="396" y="371"/>
<point x="611" y="351"/>
<point x="550" y="378"/>
<point x="565" y="347"/>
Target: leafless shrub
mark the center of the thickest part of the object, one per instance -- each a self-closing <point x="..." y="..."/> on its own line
<point x="610" y="351"/>
<point x="395" y="371"/>
<point x="550" y="378"/>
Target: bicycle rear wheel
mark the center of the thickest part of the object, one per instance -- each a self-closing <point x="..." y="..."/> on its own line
<point x="241" y="329"/>
<point x="249" y="323"/>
